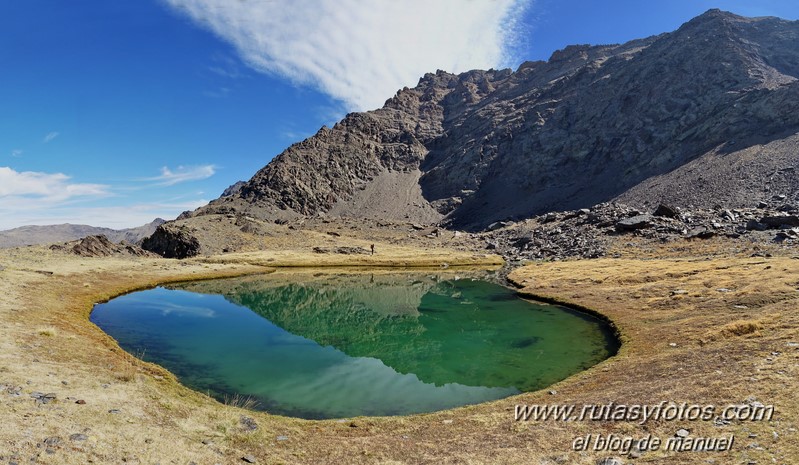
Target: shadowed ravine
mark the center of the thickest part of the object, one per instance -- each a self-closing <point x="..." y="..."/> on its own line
<point x="339" y="346"/>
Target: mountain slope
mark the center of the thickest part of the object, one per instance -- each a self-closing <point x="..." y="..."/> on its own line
<point x="32" y="235"/>
<point x="592" y="124"/>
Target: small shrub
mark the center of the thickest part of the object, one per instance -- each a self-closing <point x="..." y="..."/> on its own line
<point x="48" y="331"/>
<point x="239" y="401"/>
<point x="741" y="328"/>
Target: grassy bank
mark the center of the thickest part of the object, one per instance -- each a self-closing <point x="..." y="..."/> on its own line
<point x="685" y="341"/>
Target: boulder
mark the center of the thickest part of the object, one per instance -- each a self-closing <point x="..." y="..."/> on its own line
<point x="172" y="241"/>
<point x="635" y="222"/>
<point x="666" y="211"/>
<point x="754" y="225"/>
<point x="774" y="222"/>
<point x="702" y="233"/>
<point x="342" y="250"/>
<point x="95" y="246"/>
<point x="610" y="461"/>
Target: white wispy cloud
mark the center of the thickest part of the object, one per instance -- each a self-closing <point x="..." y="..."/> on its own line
<point x="181" y="174"/>
<point x="226" y="67"/>
<point x="50" y="136"/>
<point x="36" y="198"/>
<point x="16" y="153"/>
<point x="46" y="187"/>
<point x="14" y="214"/>
<point x="362" y="51"/>
<point x="29" y="194"/>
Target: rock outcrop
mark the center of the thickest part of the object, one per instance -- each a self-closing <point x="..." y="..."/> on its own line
<point x="101" y="246"/>
<point x="587" y="233"/>
<point x="172" y="241"/>
<point x="233" y="189"/>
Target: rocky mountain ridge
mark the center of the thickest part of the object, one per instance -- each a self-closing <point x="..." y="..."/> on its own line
<point x="703" y="117"/>
<point x="587" y="126"/>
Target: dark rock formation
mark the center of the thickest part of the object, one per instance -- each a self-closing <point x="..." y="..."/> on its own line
<point x="667" y="211"/>
<point x="94" y="246"/>
<point x="100" y="246"/>
<point x="636" y="222"/>
<point x="171" y="241"/>
<point x="706" y="115"/>
<point x="560" y="235"/>
<point x="233" y="189"/>
<point x="342" y="250"/>
<point x="780" y="221"/>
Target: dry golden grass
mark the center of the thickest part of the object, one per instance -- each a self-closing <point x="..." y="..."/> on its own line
<point x="242" y="402"/>
<point x="707" y="331"/>
<point x="667" y="355"/>
<point x="46" y="331"/>
<point x="387" y="256"/>
<point x="740" y="328"/>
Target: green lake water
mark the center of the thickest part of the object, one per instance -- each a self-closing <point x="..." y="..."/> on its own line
<point x="322" y="346"/>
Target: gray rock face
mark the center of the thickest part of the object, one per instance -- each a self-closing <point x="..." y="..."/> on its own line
<point x="101" y="246"/>
<point x="233" y="189"/>
<point x="560" y="235"/>
<point x="701" y="116"/>
<point x="667" y="211"/>
<point x="636" y="222"/>
<point x="171" y="241"/>
<point x="609" y="461"/>
<point x="780" y="221"/>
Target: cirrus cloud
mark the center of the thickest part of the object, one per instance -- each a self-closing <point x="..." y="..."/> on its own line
<point x="181" y="174"/>
<point x="28" y="212"/>
<point x="361" y="51"/>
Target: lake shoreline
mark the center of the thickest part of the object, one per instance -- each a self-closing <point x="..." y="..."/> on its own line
<point x="405" y="342"/>
<point x="138" y="411"/>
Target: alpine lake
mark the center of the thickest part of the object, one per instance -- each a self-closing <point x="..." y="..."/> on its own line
<point x="336" y="345"/>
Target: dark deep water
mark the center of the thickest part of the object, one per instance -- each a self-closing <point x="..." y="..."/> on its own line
<point x="342" y="346"/>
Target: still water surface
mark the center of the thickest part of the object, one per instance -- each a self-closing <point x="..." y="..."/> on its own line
<point x="340" y="346"/>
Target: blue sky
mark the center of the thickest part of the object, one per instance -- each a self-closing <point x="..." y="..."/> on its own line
<point x="113" y="113"/>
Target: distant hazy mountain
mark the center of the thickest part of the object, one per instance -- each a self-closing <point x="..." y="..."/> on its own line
<point x="32" y="235"/>
<point x="705" y="115"/>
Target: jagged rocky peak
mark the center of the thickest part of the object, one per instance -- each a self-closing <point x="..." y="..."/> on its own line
<point x="233" y="189"/>
<point x="591" y="124"/>
<point x="765" y="46"/>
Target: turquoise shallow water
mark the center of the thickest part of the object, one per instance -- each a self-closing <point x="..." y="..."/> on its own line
<point x="343" y="346"/>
